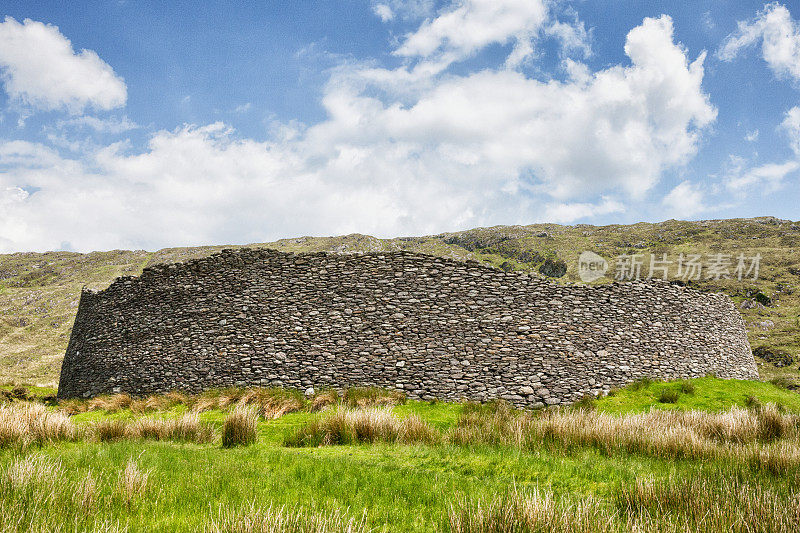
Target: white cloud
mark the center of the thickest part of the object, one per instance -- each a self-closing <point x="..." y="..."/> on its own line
<point x="383" y="11"/>
<point x="103" y="125"/>
<point x="751" y="136"/>
<point x="405" y="9"/>
<point x="685" y="200"/>
<point x="40" y="69"/>
<point x="780" y="40"/>
<point x="242" y="108"/>
<point x="470" y="25"/>
<point x="393" y="157"/>
<point x="573" y="36"/>
<point x="566" y="213"/>
<point x="791" y="125"/>
<point x="764" y="178"/>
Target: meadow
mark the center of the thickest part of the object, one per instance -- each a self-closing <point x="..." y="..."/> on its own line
<point x="695" y="455"/>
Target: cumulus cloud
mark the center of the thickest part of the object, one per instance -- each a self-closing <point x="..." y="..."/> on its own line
<point x="40" y="69"/>
<point x="470" y="25"/>
<point x="779" y="36"/>
<point x="685" y="200"/>
<point x="442" y="152"/>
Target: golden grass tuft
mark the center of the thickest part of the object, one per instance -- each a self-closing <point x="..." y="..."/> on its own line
<point x="23" y="424"/>
<point x="353" y="426"/>
<point x="323" y="399"/>
<point x="187" y="428"/>
<point x="240" y="427"/>
<point x="273" y="403"/>
<point x="108" y="430"/>
<point x="111" y="403"/>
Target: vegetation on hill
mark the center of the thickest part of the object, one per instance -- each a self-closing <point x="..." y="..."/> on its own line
<point x="255" y="460"/>
<point x="39" y="292"/>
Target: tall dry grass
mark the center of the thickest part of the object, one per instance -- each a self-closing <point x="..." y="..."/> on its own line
<point x="323" y="399"/>
<point x="282" y="520"/>
<point x="187" y="428"/>
<point x="271" y="402"/>
<point x="669" y="506"/>
<point x="274" y="403"/>
<point x="23" y="424"/>
<point x="368" y="425"/>
<point x="240" y="427"/>
<point x="763" y="436"/>
<point x="531" y="511"/>
<point x="132" y="483"/>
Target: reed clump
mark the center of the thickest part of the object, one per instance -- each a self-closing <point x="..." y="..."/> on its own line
<point x="186" y="428"/>
<point x="367" y="425"/>
<point x="240" y="427"/>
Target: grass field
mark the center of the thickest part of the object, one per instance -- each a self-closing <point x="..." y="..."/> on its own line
<point x="411" y="466"/>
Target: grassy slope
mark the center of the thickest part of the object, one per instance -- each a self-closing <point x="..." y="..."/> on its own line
<point x="403" y="488"/>
<point x="39" y="292"/>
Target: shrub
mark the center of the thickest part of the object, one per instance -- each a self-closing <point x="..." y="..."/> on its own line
<point x="240" y="427"/>
<point x="19" y="393"/>
<point x="668" y="395"/>
<point x="686" y="387"/>
<point x="372" y="397"/>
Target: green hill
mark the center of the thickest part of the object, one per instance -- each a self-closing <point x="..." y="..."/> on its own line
<point x="39" y="291"/>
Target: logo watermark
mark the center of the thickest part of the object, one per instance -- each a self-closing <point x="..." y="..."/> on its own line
<point x="686" y="266"/>
<point x="591" y="266"/>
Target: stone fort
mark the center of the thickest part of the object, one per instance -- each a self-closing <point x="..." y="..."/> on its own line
<point x="429" y="326"/>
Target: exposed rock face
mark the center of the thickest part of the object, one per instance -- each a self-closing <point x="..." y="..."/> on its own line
<point x="432" y="327"/>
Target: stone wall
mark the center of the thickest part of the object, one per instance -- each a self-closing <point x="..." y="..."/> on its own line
<point x="430" y="326"/>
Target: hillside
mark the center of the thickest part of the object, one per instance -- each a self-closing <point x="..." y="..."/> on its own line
<point x="39" y="291"/>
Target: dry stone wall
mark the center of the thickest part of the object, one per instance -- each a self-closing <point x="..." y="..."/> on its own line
<point x="429" y="326"/>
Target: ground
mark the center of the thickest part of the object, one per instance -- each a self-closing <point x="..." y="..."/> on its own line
<point x="389" y="486"/>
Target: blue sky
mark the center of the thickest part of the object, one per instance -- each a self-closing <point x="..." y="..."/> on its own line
<point x="144" y="125"/>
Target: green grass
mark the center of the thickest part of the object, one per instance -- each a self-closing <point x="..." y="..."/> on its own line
<point x="710" y="394"/>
